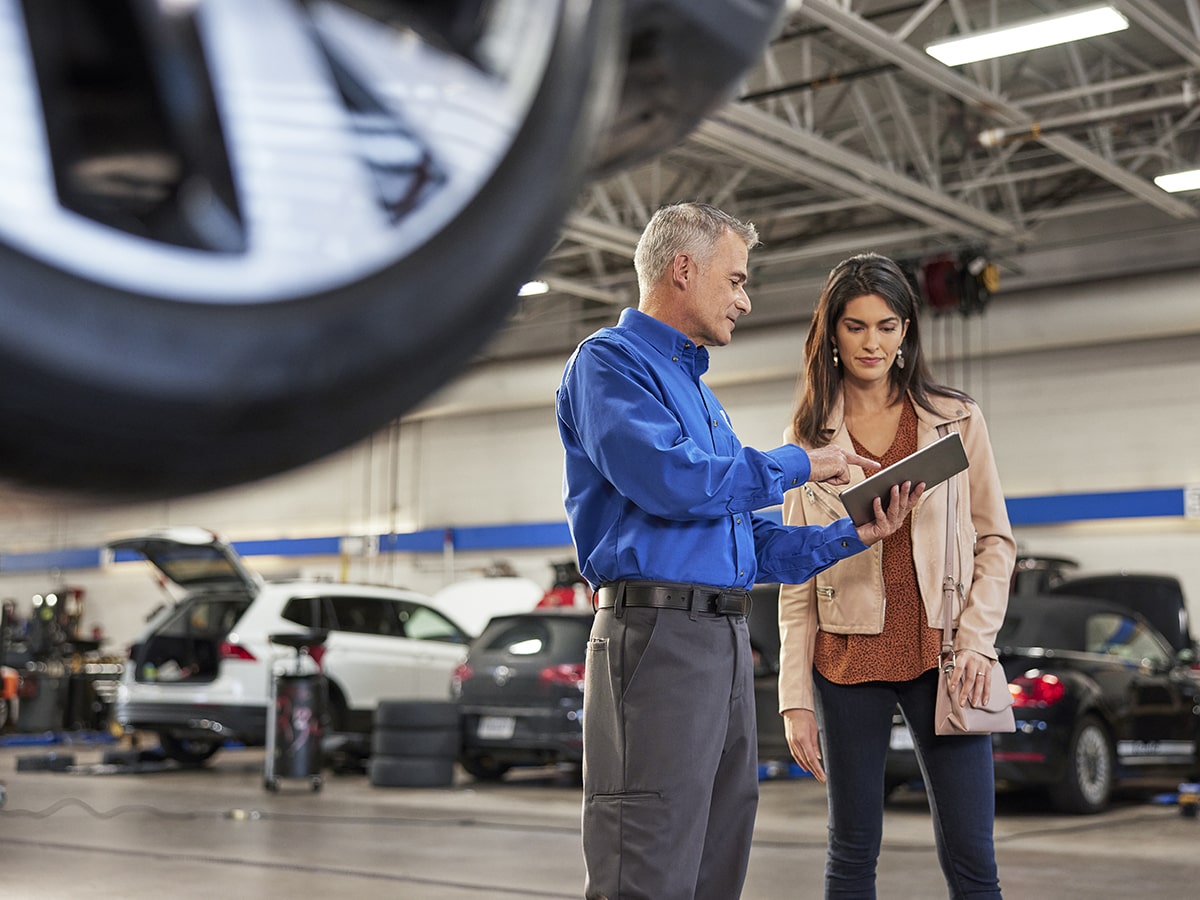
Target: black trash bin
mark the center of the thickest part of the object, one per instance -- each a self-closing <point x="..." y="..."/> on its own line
<point x="295" y="716"/>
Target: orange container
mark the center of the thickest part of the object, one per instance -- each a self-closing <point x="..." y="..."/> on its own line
<point x="9" y="679"/>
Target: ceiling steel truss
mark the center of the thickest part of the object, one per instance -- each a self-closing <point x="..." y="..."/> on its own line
<point x="847" y="136"/>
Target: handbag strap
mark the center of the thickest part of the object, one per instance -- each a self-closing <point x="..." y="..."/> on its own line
<point x="946" y="657"/>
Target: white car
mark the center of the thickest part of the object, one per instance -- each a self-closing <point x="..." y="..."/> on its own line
<point x="200" y="674"/>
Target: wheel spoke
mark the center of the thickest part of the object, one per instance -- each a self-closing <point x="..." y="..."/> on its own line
<point x="29" y="196"/>
<point x="345" y="141"/>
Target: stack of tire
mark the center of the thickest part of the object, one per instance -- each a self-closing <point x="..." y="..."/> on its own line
<point x="414" y="743"/>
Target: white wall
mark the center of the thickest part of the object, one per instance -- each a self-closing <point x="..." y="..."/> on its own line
<point x="1089" y="388"/>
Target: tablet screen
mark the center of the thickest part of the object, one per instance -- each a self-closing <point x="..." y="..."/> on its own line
<point x="932" y="464"/>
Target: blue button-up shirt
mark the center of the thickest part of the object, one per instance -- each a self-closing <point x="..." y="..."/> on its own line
<point x="657" y="486"/>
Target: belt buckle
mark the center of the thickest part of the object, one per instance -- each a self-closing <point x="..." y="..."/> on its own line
<point x="728" y="603"/>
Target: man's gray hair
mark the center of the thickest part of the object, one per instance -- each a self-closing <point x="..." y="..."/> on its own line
<point x="692" y="228"/>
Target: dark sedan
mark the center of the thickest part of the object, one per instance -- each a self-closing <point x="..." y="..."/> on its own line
<point x="521" y="688"/>
<point x="521" y="692"/>
<point x="1099" y="696"/>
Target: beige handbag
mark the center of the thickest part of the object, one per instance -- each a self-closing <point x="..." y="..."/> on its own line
<point x="949" y="717"/>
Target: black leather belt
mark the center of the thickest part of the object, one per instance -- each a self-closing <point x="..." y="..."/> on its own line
<point x="669" y="595"/>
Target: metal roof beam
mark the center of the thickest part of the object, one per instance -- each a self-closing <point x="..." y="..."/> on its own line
<point x="866" y="174"/>
<point x="875" y="40"/>
<point x="1150" y="15"/>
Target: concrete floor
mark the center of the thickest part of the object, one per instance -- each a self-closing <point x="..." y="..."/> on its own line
<point x="216" y="833"/>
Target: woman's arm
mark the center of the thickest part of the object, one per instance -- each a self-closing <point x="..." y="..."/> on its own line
<point x="995" y="550"/>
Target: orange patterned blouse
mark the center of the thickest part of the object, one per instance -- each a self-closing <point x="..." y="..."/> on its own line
<point x="907" y="646"/>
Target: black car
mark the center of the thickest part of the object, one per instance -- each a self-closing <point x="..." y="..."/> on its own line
<point x="520" y="691"/>
<point x="1157" y="597"/>
<point x="1099" y="696"/>
<point x="521" y="688"/>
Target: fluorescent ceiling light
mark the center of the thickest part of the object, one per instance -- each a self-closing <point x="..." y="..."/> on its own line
<point x="1179" y="181"/>
<point x="529" y="288"/>
<point x="1045" y="31"/>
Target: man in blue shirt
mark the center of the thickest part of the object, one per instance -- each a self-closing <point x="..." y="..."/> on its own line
<point x="660" y="497"/>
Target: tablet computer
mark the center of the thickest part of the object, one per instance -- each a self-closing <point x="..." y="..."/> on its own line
<point x="932" y="464"/>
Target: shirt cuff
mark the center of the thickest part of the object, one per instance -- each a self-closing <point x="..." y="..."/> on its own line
<point x="846" y="535"/>
<point x="794" y="462"/>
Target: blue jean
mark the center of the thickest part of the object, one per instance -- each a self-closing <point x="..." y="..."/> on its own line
<point x="856" y="725"/>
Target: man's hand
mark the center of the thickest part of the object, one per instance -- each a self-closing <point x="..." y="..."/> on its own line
<point x="831" y="464"/>
<point x="903" y="498"/>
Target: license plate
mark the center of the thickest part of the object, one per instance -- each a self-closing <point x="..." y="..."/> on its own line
<point x="496" y="728"/>
<point x="901" y="739"/>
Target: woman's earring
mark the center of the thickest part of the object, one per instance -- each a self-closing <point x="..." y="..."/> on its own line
<point x="900" y="358"/>
<point x="835" y="356"/>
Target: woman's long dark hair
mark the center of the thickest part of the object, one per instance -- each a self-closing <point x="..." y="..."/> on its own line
<point x="858" y="276"/>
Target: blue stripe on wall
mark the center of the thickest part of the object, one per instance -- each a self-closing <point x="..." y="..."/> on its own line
<point x="78" y="558"/>
<point x="1047" y="510"/>
<point x="325" y="546"/>
<point x="1086" y="507"/>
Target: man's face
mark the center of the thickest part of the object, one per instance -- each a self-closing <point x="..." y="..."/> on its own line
<point x="716" y="293"/>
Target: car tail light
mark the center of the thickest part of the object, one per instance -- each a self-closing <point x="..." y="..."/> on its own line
<point x="317" y="652"/>
<point x="230" y="650"/>
<point x="569" y="674"/>
<point x="462" y="672"/>
<point x="1036" y="690"/>
<point x="1021" y="756"/>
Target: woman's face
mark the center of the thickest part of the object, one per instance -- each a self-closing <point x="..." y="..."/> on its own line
<point x="867" y="337"/>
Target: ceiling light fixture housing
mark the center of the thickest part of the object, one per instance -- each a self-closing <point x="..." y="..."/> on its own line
<point x="1175" y="182"/>
<point x="1032" y="34"/>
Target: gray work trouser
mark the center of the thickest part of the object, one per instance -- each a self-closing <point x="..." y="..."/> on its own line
<point x="670" y="776"/>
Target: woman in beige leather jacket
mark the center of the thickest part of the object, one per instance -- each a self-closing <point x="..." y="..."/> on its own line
<point x="864" y="635"/>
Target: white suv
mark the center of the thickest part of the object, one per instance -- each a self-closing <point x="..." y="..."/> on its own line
<point x="200" y="674"/>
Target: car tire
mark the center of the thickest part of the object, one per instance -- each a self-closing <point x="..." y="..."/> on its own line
<point x="188" y="751"/>
<point x="1090" y="770"/>
<point x="439" y="742"/>
<point x="409" y="771"/>
<point x="129" y="380"/>
<point x="414" y="743"/>
<point x="407" y="714"/>
<point x="483" y="767"/>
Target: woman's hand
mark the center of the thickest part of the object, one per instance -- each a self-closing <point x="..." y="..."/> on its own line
<point x="903" y="498"/>
<point x="800" y="726"/>
<point x="973" y="677"/>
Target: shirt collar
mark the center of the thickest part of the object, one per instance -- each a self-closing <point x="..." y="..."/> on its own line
<point x="671" y="343"/>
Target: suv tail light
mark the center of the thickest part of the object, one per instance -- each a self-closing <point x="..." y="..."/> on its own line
<point x="462" y="672"/>
<point x="1036" y="691"/>
<point x="230" y="650"/>
<point x="317" y="653"/>
<point x="569" y="674"/>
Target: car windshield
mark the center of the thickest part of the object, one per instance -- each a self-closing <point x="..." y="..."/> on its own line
<point x="526" y="638"/>
<point x="534" y="636"/>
